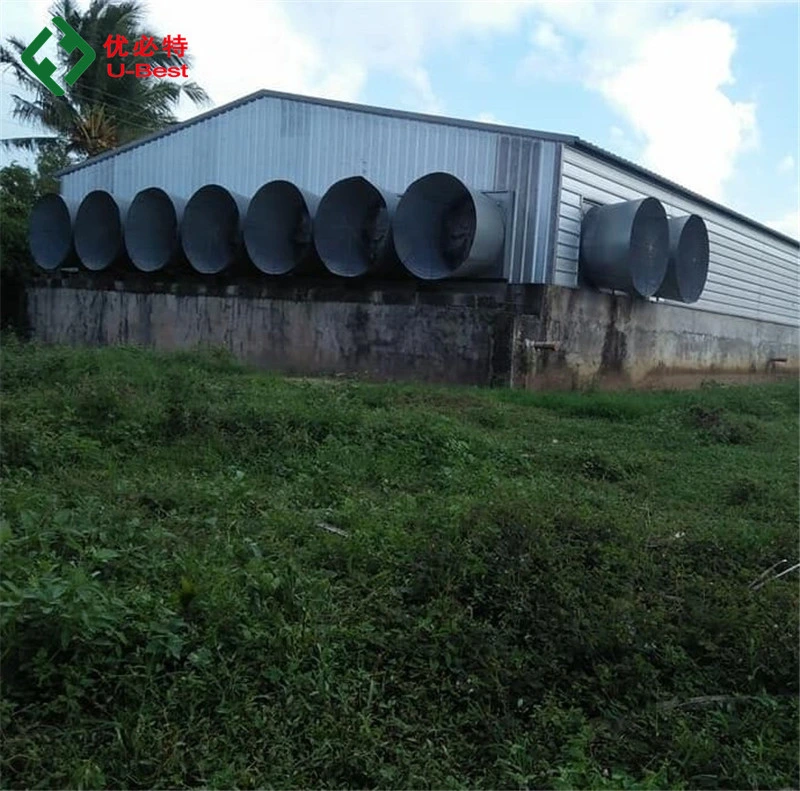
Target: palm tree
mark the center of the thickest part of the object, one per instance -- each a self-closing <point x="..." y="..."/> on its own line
<point x="99" y="112"/>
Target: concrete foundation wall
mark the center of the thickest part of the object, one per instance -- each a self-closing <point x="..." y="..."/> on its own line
<point x="400" y="332"/>
<point x="617" y="340"/>
<point x="478" y="334"/>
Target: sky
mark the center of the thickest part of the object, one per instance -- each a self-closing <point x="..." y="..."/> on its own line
<point x="705" y="93"/>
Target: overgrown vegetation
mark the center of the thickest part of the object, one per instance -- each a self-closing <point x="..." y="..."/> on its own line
<point x="214" y="577"/>
<point x="20" y="188"/>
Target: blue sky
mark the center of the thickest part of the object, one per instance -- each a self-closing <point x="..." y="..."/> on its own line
<point x="705" y="93"/>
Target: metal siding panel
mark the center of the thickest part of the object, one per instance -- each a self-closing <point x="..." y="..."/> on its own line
<point x="540" y="185"/>
<point x="489" y="157"/>
<point x="757" y="271"/>
<point x="547" y="208"/>
<point x="564" y="278"/>
<point x="513" y="159"/>
<point x="456" y="154"/>
<point x="766" y="297"/>
<point x="314" y="145"/>
<point x="751" y="273"/>
<point x="519" y="205"/>
<point x="528" y="183"/>
<point x="522" y="188"/>
<point x="737" y="263"/>
<point x="519" y="168"/>
<point x="313" y="172"/>
<point x="567" y="234"/>
<point x="570" y="224"/>
<point x="501" y="168"/>
<point x="346" y="156"/>
<point x="468" y="154"/>
<point x="409" y="148"/>
<point x="746" y="248"/>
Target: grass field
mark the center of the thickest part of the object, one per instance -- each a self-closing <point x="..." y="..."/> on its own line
<point x="215" y="577"/>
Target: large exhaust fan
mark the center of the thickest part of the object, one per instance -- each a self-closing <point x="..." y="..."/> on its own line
<point x="625" y="246"/>
<point x="444" y="229"/>
<point x="50" y="236"/>
<point x="99" y="238"/>
<point x="278" y="229"/>
<point x="211" y="231"/>
<point x="353" y="229"/>
<point x="687" y="268"/>
<point x="152" y="226"/>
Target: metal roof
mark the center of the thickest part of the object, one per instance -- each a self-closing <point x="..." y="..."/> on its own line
<point x="571" y="140"/>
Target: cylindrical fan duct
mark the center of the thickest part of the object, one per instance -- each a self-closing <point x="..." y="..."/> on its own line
<point x="278" y="229"/>
<point x="443" y="229"/>
<point x="152" y="228"/>
<point x="625" y="246"/>
<point x="211" y="231"/>
<point x="353" y="229"/>
<point x="687" y="268"/>
<point x="99" y="239"/>
<point x="50" y="236"/>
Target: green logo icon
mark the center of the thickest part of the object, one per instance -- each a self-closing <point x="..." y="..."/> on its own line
<point x="45" y="68"/>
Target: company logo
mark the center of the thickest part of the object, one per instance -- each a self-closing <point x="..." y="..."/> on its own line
<point x="145" y="47"/>
<point x="44" y="69"/>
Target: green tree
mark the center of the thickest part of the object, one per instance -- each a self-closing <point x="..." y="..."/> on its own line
<point x="49" y="160"/>
<point x="19" y="189"/>
<point x="99" y="112"/>
<point x="18" y="192"/>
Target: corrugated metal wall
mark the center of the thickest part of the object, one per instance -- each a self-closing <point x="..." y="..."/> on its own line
<point x="751" y="273"/>
<point x="314" y="145"/>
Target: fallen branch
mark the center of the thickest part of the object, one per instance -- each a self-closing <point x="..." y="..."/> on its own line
<point x="767" y="576"/>
<point x="333" y="529"/>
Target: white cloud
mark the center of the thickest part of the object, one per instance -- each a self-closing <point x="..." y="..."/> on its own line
<point x="420" y="80"/>
<point x="624" y="143"/>
<point x="693" y="131"/>
<point x="329" y="48"/>
<point x="546" y="38"/>
<point x="282" y="56"/>
<point x="665" y="70"/>
<point x="788" y="223"/>
<point x="786" y="165"/>
<point x="487" y="16"/>
<point x="550" y="56"/>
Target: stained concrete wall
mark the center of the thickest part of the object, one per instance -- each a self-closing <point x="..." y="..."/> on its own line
<point x="612" y="340"/>
<point x="402" y="331"/>
<point x="479" y="334"/>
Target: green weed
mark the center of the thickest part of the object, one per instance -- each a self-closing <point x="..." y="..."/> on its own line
<point x="213" y="577"/>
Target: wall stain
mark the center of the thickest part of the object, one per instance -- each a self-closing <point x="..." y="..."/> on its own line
<point x="615" y="345"/>
<point x="358" y="325"/>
